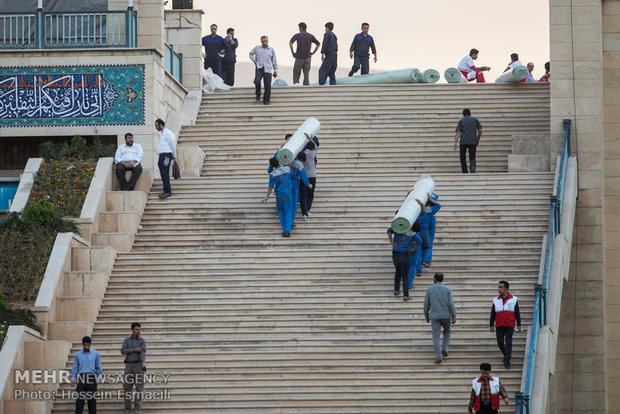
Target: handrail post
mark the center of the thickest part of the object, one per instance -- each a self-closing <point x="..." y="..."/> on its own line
<point x="542" y="314"/>
<point x="39" y="29"/>
<point x="518" y="402"/>
<point x="556" y="214"/>
<point x="567" y="123"/>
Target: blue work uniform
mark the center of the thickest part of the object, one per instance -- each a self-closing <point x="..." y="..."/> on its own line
<point x="228" y="62"/>
<point x="424" y="219"/>
<point x="280" y="179"/>
<point x="400" y="258"/>
<point x="330" y="63"/>
<point x="415" y="259"/>
<point x="359" y="47"/>
<point x="431" y="229"/>
<point x="213" y="46"/>
<point x="301" y="177"/>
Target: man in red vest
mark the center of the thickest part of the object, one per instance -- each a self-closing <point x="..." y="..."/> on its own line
<point x="485" y="392"/>
<point x="504" y="313"/>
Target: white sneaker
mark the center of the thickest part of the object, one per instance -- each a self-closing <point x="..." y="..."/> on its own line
<point x="309" y="213"/>
<point x="304" y="218"/>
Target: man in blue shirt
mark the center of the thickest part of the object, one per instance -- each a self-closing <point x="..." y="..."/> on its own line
<point x="86" y="370"/>
<point x="230" y="58"/>
<point x="214" y="45"/>
<point x="402" y="246"/>
<point x="329" y="55"/>
<point x="424" y="219"/>
<point x="281" y="178"/>
<point x="359" y="50"/>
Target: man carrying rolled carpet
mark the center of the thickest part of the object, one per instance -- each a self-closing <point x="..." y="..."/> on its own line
<point x="470" y="70"/>
<point x="281" y="178"/>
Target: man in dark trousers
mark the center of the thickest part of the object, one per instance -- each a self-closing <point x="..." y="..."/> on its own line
<point x="439" y="310"/>
<point x="359" y="51"/>
<point x="504" y="314"/>
<point x="85" y="373"/>
<point x="329" y="55"/>
<point x="230" y="58"/>
<point x="486" y="392"/>
<point x="214" y="45"/>
<point x="303" y="55"/>
<point x="134" y="349"/>
<point x="469" y="131"/>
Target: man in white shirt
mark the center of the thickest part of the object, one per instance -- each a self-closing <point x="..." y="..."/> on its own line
<point x="514" y="62"/>
<point x="167" y="150"/>
<point x="264" y="58"/>
<point x="128" y="158"/>
<point x="470" y="70"/>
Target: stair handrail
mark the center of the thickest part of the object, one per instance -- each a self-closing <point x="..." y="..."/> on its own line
<point x="539" y="318"/>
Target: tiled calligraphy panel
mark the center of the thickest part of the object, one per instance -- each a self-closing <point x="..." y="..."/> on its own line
<point x="37" y="96"/>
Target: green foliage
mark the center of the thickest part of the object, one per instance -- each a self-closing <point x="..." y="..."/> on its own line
<point x="16" y="316"/>
<point x="64" y="183"/>
<point x="77" y="149"/>
<point x="27" y="241"/>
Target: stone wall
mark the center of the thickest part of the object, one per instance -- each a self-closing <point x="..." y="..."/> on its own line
<point x="611" y="208"/>
<point x="584" y="87"/>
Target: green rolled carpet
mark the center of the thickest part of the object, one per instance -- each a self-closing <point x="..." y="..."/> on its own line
<point x="298" y="141"/>
<point x="410" y="209"/>
<point x="453" y="75"/>
<point x="429" y="76"/>
<point x="514" y="75"/>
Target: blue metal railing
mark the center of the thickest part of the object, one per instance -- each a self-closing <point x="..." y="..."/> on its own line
<point x="540" y="303"/>
<point x="173" y="62"/>
<point x="47" y="30"/>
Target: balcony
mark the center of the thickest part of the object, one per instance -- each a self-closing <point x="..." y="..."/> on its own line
<point x="52" y="30"/>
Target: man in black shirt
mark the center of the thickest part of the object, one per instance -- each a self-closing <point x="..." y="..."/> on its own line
<point x="469" y="130"/>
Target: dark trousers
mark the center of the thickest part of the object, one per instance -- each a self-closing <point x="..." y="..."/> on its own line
<point x="486" y="410"/>
<point x="165" y="160"/>
<point x="306" y="196"/>
<point x="135" y="174"/>
<point x="259" y="75"/>
<point x="362" y="62"/>
<point x="472" y="157"/>
<point x="401" y="264"/>
<point x="86" y="385"/>
<point x="297" y="68"/>
<point x="228" y="73"/>
<point x="328" y="69"/>
<point x="215" y="65"/>
<point x="504" y="341"/>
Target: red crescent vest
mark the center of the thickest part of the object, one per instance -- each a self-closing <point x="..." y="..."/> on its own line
<point x="505" y="311"/>
<point x="494" y="385"/>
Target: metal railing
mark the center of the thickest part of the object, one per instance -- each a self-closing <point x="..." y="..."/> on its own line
<point x="540" y="302"/>
<point x="173" y="62"/>
<point x="49" y="30"/>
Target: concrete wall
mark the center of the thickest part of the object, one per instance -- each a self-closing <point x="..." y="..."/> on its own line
<point x="184" y="33"/>
<point x="585" y="68"/>
<point x="611" y="206"/>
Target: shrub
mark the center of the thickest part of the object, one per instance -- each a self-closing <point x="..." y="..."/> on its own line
<point x="77" y="149"/>
<point x="64" y="183"/>
<point x="16" y="316"/>
<point x="27" y="241"/>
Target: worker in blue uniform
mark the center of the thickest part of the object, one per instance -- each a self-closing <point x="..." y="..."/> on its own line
<point x="302" y="178"/>
<point x="214" y="50"/>
<point x="415" y="257"/>
<point x="424" y="219"/>
<point x="281" y="179"/>
<point x="431" y="228"/>
<point x="402" y="246"/>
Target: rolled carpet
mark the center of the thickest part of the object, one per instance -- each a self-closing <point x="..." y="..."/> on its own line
<point x="429" y="76"/>
<point x="298" y="141"/>
<point x="410" y="209"/>
<point x="514" y="75"/>
<point x="453" y="75"/>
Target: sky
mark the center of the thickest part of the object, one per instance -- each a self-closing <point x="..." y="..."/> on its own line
<point x="408" y="33"/>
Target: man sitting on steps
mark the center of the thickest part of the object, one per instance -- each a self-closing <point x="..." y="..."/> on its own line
<point x="128" y="158"/>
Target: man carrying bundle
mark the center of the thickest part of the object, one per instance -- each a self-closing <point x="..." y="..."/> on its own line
<point x="402" y="246"/>
<point x="281" y="178"/>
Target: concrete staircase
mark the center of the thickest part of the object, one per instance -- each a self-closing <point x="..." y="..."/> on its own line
<point x="244" y="320"/>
